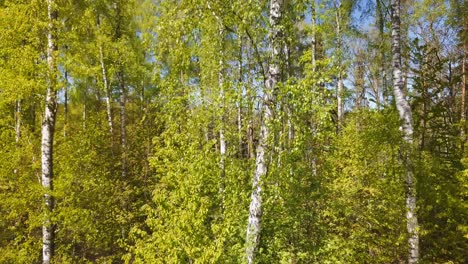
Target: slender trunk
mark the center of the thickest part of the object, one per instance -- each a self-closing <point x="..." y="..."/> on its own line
<point x="123" y="98"/>
<point x="463" y="98"/>
<point x="222" y="140"/>
<point x="47" y="131"/>
<point x="17" y="120"/>
<point x="250" y="113"/>
<point x="405" y="114"/>
<point x="314" y="37"/>
<point x="105" y="82"/>
<point x="272" y="78"/>
<point x="339" y="97"/>
<point x="17" y="126"/>
<point x="286" y="102"/>
<point x="65" y="105"/>
<point x="239" y="103"/>
<point x="424" y="111"/>
<point x="340" y="86"/>
<point x="250" y="139"/>
<point x="359" y="82"/>
<point x="123" y="123"/>
<point x="380" y="21"/>
<point x="83" y="115"/>
<point x="291" y="132"/>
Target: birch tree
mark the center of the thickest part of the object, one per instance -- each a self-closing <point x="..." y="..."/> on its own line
<point x="105" y="82"/>
<point x="273" y="76"/>
<point x="405" y="114"/>
<point x="47" y="132"/>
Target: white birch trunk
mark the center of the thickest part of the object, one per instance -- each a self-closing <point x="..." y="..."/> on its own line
<point x="339" y="97"/>
<point x="405" y="114"/>
<point x="47" y="132"/>
<point x="272" y="78"/>
<point x="222" y="140"/>
<point x="107" y="91"/>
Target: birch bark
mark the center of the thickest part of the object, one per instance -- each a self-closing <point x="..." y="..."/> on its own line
<point x="110" y="121"/>
<point x="47" y="132"/>
<point x="272" y="78"/>
<point x="222" y="139"/>
<point x="405" y="114"/>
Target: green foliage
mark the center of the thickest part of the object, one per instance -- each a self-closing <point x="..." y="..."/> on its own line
<point x="365" y="192"/>
<point x="194" y="70"/>
<point x="442" y="188"/>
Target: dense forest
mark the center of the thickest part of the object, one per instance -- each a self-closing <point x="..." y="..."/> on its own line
<point x="233" y="131"/>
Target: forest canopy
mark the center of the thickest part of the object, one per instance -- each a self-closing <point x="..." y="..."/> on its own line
<point x="233" y="131"/>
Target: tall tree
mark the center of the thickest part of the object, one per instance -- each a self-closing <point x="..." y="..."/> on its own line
<point x="339" y="47"/>
<point x="272" y="78"/>
<point x="404" y="111"/>
<point x="47" y="132"/>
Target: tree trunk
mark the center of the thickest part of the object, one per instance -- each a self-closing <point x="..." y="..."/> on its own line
<point x="239" y="102"/>
<point x="65" y="105"/>
<point x="17" y="120"/>
<point x="47" y="131"/>
<point x="17" y="126"/>
<point x="405" y="114"/>
<point x="105" y="82"/>
<point x="359" y="80"/>
<point x="272" y="78"/>
<point x="250" y="140"/>
<point x="378" y="89"/>
<point x="222" y="140"/>
<point x="123" y="97"/>
<point x="463" y="98"/>
<point x="340" y="86"/>
<point x="250" y="112"/>
<point x="314" y="37"/>
<point x="123" y="124"/>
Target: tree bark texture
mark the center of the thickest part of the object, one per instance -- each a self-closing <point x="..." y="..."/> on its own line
<point x="272" y="78"/>
<point x="405" y="114"/>
<point x="105" y="82"/>
<point x="47" y="132"/>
